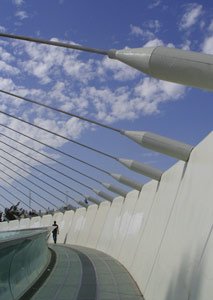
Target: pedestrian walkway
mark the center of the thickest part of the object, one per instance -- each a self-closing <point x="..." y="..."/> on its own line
<point x="87" y="274"/>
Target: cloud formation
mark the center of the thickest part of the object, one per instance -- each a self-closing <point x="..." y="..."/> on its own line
<point x="21" y="14"/>
<point x="192" y="13"/>
<point x="207" y="46"/>
<point x="96" y="88"/>
<point x="18" y="2"/>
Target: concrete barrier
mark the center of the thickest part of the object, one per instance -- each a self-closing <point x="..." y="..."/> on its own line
<point x="65" y="226"/>
<point x="201" y="283"/>
<point x="138" y="221"/>
<point x="185" y="248"/>
<point x="35" y="222"/>
<point x="98" y="224"/>
<point x="13" y="225"/>
<point x="75" y="229"/>
<point x="153" y="233"/>
<point x="24" y="223"/>
<point x="46" y="220"/>
<point x="162" y="235"/>
<point x="122" y="223"/>
<point x="4" y="226"/>
<point x="109" y="228"/>
<point x="86" y="225"/>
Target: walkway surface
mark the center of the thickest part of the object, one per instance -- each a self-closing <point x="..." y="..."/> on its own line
<point x="87" y="274"/>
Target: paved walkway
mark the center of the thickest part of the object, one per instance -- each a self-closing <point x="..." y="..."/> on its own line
<point x="86" y="274"/>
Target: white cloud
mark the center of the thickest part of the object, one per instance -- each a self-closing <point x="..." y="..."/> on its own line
<point x="74" y="128"/>
<point x="136" y="30"/>
<point x="7" y="69"/>
<point x="2" y="29"/>
<point x="191" y="15"/>
<point x="39" y="70"/>
<point x="154" y="4"/>
<point x="58" y="91"/>
<point x="78" y="69"/>
<point x="120" y="71"/>
<point x="71" y="128"/>
<point x="47" y="62"/>
<point x="112" y="105"/>
<point x="152" y="92"/>
<point x="18" y="2"/>
<point x="150" y="28"/>
<point x="210" y="28"/>
<point x="154" y="43"/>
<point x="5" y="55"/>
<point x="21" y="14"/>
<point x="207" y="46"/>
<point x="153" y="25"/>
<point x="6" y="84"/>
<point x="186" y="45"/>
<point x="157" y="90"/>
<point x="123" y="103"/>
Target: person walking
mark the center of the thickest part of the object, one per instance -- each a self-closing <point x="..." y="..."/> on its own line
<point x="55" y="232"/>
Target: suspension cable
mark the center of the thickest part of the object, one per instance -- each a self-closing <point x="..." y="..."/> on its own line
<point x="2" y="196"/>
<point x="26" y="180"/>
<point x="49" y="157"/>
<point x="3" y="188"/>
<point x="54" y="43"/>
<point x="67" y="186"/>
<point x="61" y="136"/>
<point x="61" y="111"/>
<point x="21" y="192"/>
<point x="39" y="161"/>
<point x="59" y="151"/>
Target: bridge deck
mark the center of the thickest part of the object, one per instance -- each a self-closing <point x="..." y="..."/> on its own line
<point x="86" y="274"/>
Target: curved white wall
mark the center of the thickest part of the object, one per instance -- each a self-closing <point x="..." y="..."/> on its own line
<point x="64" y="226"/>
<point x="86" y="225"/>
<point x="122" y="223"/>
<point x="35" y="222"/>
<point x="162" y="235"/>
<point x="98" y="224"/>
<point x="13" y="225"/>
<point x="75" y="229"/>
<point x="153" y="232"/>
<point x="109" y="229"/>
<point x="137" y="224"/>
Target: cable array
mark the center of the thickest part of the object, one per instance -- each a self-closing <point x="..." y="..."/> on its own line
<point x="75" y="47"/>
<point x="59" y="151"/>
<point x="61" y="136"/>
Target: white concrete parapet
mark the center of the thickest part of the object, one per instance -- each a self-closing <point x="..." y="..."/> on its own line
<point x="162" y="235"/>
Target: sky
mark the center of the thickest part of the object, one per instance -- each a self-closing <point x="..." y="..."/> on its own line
<point x="95" y="87"/>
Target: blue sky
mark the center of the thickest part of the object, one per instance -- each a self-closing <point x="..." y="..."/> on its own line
<point x="97" y="87"/>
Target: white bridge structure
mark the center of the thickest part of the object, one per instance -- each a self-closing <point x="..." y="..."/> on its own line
<point x="162" y="234"/>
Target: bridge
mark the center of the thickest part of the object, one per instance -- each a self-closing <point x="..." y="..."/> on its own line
<point x="161" y="236"/>
<point x="153" y="243"/>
